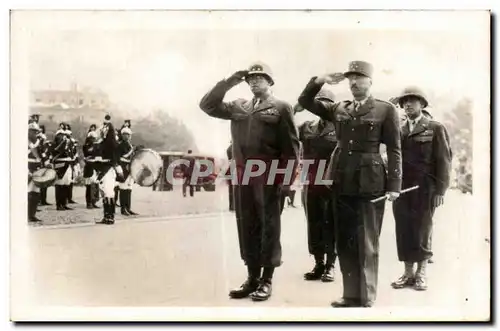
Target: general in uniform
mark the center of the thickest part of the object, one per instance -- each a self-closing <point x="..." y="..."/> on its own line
<point x="126" y="151"/>
<point x="229" y="153"/>
<point x="35" y="162"/>
<point x="359" y="175"/>
<point x="426" y="163"/>
<point x="63" y="165"/>
<point x="107" y="167"/>
<point x="318" y="143"/>
<point x="263" y="129"/>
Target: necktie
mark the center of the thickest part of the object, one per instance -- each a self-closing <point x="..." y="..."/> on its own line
<point x="356" y="106"/>
<point x="257" y="101"/>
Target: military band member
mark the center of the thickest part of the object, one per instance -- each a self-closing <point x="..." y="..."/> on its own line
<point x="107" y="167"/>
<point x="426" y="163"/>
<point x="319" y="141"/>
<point x="126" y="151"/>
<point x="118" y="137"/>
<point x="35" y="162"/>
<point x="46" y="154"/>
<point x="359" y="175"/>
<point x="75" y="165"/>
<point x="262" y="128"/>
<point x="90" y="151"/>
<point x="63" y="162"/>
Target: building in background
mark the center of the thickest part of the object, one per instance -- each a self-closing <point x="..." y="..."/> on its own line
<point x="71" y="98"/>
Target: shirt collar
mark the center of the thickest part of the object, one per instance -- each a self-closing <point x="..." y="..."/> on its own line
<point x="416" y="120"/>
<point x="361" y="102"/>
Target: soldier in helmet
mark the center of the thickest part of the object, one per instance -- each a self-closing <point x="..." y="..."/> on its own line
<point x="426" y="163"/>
<point x="36" y="160"/>
<point x="63" y="162"/>
<point x="108" y="169"/>
<point x="359" y="175"/>
<point x="319" y="141"/>
<point x="262" y="129"/>
<point x="126" y="151"/>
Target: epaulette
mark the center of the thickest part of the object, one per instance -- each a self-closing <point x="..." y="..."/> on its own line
<point x="386" y="102"/>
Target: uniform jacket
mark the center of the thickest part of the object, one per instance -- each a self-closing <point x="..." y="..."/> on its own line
<point x="62" y="154"/>
<point x="266" y="132"/>
<point x="36" y="156"/>
<point x="357" y="168"/>
<point x="318" y="140"/>
<point x="125" y="151"/>
<point x="426" y="156"/>
<point x="89" y="153"/>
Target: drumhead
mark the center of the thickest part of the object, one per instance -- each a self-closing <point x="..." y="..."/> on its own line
<point x="44" y="177"/>
<point x="145" y="167"/>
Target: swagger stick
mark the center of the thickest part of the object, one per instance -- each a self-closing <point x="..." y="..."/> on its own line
<point x="402" y="192"/>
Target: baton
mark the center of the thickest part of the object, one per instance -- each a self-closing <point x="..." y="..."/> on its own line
<point x="402" y="192"/>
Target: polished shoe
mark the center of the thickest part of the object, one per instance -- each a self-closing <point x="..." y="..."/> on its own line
<point x="263" y="292"/>
<point x="34" y="219"/>
<point x="403" y="281"/>
<point x="248" y="287"/>
<point x="71" y="202"/>
<point x="346" y="303"/>
<point x="367" y="304"/>
<point x="316" y="273"/>
<point x="420" y="283"/>
<point x="329" y="275"/>
<point x="124" y="211"/>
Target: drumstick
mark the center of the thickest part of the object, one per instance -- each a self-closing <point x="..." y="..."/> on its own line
<point x="402" y="192"/>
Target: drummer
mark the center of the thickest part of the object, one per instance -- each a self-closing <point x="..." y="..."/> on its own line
<point x="107" y="167"/>
<point x="62" y="165"/>
<point x="126" y="150"/>
<point x="35" y="162"/>
<point x="75" y="166"/>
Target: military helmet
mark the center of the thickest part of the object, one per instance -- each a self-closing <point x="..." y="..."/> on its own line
<point x="260" y="68"/>
<point x="325" y="94"/>
<point x="413" y="91"/>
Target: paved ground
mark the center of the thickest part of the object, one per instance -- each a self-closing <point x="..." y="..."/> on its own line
<point x="195" y="261"/>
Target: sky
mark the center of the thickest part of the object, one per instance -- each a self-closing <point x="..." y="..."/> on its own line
<point x="170" y="66"/>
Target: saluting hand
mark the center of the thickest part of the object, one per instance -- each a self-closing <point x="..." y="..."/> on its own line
<point x="331" y="79"/>
<point x="237" y="77"/>
<point x="437" y="200"/>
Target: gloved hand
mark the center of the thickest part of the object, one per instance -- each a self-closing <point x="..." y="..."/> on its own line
<point x="391" y="196"/>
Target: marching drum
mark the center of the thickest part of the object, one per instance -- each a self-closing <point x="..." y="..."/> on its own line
<point x="145" y="167"/>
<point x="44" y="177"/>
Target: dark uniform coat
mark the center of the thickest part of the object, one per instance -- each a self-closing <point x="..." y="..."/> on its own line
<point x="63" y="154"/>
<point x="229" y="153"/>
<point x="107" y="152"/>
<point x="266" y="132"/>
<point x="89" y="153"/>
<point x="359" y="174"/>
<point x="125" y="152"/>
<point x="318" y="143"/>
<point x="426" y="163"/>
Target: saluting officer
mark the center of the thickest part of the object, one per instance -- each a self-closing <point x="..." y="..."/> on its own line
<point x="107" y="167"/>
<point x="263" y="129"/>
<point x="426" y="163"/>
<point x="126" y="151"/>
<point x="63" y="162"/>
<point x="359" y="175"/>
<point x="319" y="141"/>
<point x="36" y="160"/>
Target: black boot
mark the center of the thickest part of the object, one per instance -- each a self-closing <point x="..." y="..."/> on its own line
<point x="88" y="196"/>
<point x="65" y="197"/>
<point x="249" y="286"/>
<point x="111" y="215"/>
<point x="129" y="202"/>
<point x="264" y="290"/>
<point x="33" y="198"/>
<point x="318" y="270"/>
<point x="117" y="191"/>
<point x="95" y="194"/>
<point x="123" y="202"/>
<point x="59" y="200"/>
<point x="70" y="194"/>
<point x="105" y="209"/>
<point x="43" y="197"/>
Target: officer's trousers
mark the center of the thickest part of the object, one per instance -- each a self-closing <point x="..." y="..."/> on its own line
<point x="318" y="206"/>
<point x="107" y="183"/>
<point x="358" y="223"/>
<point x="259" y="224"/>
